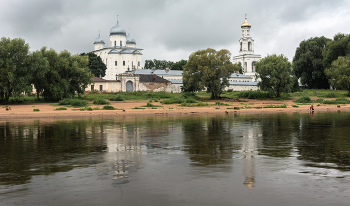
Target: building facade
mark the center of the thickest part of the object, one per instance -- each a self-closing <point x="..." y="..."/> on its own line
<point x="246" y="56"/>
<point x="120" y="55"/>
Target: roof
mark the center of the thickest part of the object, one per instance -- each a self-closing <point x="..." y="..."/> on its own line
<point x="244" y="83"/>
<point x="117" y="30"/>
<point x="159" y="72"/>
<point x="236" y="75"/>
<point x="246" y="24"/>
<point x="175" y="81"/>
<point x="151" y="78"/>
<point x="97" y="79"/>
<point x="99" y="40"/>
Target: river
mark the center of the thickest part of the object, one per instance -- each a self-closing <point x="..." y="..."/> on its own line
<point x="242" y="159"/>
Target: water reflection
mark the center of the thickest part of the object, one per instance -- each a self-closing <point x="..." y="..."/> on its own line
<point x="117" y="148"/>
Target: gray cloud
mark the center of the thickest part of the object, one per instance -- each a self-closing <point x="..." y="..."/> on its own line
<point x="172" y="29"/>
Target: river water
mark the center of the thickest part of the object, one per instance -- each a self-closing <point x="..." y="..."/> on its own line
<point x="242" y="159"/>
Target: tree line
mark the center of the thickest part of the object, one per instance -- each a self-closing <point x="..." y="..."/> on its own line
<point x="163" y="64"/>
<point x="54" y="75"/>
<point x="319" y="63"/>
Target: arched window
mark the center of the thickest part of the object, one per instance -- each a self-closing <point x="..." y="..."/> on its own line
<point x="249" y="46"/>
<point x="253" y="67"/>
<point x="120" y="43"/>
<point x="245" y="67"/>
<point x="241" y="47"/>
<point x="115" y="43"/>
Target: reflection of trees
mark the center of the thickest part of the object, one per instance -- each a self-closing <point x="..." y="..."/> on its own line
<point x="208" y="141"/>
<point x="324" y="138"/>
<point x="278" y="131"/>
<point x="27" y="150"/>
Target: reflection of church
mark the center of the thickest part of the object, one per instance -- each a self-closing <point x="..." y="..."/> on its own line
<point x="246" y="57"/>
<point x="249" y="154"/>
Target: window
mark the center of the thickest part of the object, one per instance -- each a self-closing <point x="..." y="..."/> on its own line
<point x="132" y="64"/>
<point x="115" y="63"/>
<point x="249" y="46"/>
<point x="101" y="87"/>
<point x="138" y="63"/>
<point x="92" y="87"/>
<point x="123" y="63"/>
<point x="241" y="47"/>
<point x="115" y="43"/>
<point x="120" y="43"/>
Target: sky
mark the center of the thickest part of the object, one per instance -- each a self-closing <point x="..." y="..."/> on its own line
<point x="173" y="29"/>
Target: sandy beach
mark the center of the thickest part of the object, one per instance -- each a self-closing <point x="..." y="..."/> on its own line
<point x="47" y="110"/>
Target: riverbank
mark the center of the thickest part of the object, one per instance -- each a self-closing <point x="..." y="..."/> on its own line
<point x="47" y="110"/>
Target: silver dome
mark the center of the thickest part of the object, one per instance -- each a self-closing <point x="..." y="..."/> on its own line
<point x="130" y="40"/>
<point x="117" y="30"/>
<point x="99" y="40"/>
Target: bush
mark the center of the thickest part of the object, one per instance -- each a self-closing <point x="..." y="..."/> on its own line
<point x="101" y="101"/>
<point x="116" y="98"/>
<point x="319" y="100"/>
<point x="304" y="99"/>
<point x="173" y="100"/>
<point x="36" y="110"/>
<point x="254" y="95"/>
<point x="108" y="107"/>
<point x="13" y="100"/>
<point x="61" y="108"/>
<point x="337" y="101"/>
<point x="73" y="102"/>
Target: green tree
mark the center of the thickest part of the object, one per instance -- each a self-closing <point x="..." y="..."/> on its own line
<point x="149" y="64"/>
<point x="308" y="63"/>
<point x="96" y="65"/>
<point x="208" y="69"/>
<point x="179" y="65"/>
<point x="14" y="67"/>
<point x="339" y="46"/>
<point x="275" y="74"/>
<point x="339" y="73"/>
<point x="68" y="74"/>
<point x="39" y="67"/>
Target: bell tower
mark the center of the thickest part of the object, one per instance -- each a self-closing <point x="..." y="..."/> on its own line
<point x="246" y="43"/>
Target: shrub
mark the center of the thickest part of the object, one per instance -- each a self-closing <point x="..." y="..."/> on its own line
<point x="116" y="98"/>
<point x="295" y="105"/>
<point x="101" y="101"/>
<point x="319" y="100"/>
<point x="13" y="100"/>
<point x="254" y="95"/>
<point x="108" y="107"/>
<point x="304" y="99"/>
<point x="61" y="108"/>
<point x="73" y="102"/>
<point x="337" y="101"/>
<point x="173" y="100"/>
<point x="36" y="110"/>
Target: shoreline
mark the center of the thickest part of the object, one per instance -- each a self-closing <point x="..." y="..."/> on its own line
<point x="47" y="110"/>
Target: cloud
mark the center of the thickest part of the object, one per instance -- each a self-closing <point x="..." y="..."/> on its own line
<point x="173" y="29"/>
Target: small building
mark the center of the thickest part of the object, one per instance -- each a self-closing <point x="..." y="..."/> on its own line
<point x="104" y="85"/>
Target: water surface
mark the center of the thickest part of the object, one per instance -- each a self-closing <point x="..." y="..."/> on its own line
<point x="250" y="159"/>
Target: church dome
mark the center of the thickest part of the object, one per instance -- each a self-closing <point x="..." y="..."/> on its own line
<point x="99" y="40"/>
<point x="117" y="30"/>
<point x="246" y="24"/>
<point x="130" y="40"/>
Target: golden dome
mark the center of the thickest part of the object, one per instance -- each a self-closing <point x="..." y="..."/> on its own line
<point x="246" y="24"/>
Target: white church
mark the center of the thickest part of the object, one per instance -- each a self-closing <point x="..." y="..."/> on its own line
<point x="124" y="71"/>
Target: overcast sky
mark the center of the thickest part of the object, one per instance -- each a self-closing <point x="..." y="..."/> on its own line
<point x="173" y="29"/>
